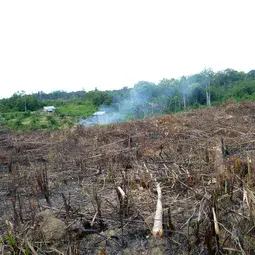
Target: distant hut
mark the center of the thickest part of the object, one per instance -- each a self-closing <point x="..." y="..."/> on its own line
<point x="49" y="109"/>
<point x="100" y="117"/>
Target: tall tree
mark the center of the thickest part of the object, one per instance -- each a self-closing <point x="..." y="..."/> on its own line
<point x="206" y="77"/>
<point x="184" y="90"/>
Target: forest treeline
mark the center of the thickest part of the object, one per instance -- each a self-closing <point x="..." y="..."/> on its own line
<point x="145" y="98"/>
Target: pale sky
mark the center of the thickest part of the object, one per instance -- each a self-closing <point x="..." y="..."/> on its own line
<point x="73" y="45"/>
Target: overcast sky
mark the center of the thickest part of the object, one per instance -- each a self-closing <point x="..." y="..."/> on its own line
<point x="73" y="45"/>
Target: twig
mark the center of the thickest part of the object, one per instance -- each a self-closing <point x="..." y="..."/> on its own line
<point x="92" y="222"/>
<point x="236" y="239"/>
<point x="31" y="248"/>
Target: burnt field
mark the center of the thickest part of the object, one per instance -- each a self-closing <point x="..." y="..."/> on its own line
<point x="60" y="191"/>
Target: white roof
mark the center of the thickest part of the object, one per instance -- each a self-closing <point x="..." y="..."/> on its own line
<point x="99" y="113"/>
<point x="49" y="108"/>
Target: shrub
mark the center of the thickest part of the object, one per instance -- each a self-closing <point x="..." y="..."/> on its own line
<point x="27" y="114"/>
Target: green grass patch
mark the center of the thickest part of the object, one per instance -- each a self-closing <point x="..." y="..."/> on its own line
<point x="36" y="121"/>
<point x="76" y="110"/>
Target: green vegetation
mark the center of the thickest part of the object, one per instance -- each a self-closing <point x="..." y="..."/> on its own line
<point x="35" y="121"/>
<point x="24" y="112"/>
<point x="77" y="109"/>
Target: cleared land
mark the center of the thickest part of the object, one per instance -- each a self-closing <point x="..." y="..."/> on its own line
<point x="75" y="174"/>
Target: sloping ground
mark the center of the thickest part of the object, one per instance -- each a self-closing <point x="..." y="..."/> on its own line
<point x="75" y="173"/>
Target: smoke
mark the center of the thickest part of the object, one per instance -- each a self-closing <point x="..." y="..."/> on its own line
<point x="148" y="99"/>
<point x="136" y="103"/>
